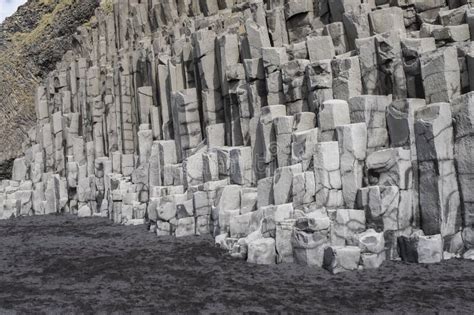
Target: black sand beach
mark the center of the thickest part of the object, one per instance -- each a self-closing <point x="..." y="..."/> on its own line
<point x="63" y="264"/>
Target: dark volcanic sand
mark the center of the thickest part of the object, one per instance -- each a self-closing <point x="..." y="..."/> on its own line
<point x="58" y="264"/>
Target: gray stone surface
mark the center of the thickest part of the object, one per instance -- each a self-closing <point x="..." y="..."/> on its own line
<point x="291" y="131"/>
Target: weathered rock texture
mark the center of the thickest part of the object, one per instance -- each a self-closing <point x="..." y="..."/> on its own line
<point x="32" y="41"/>
<point x="335" y="135"/>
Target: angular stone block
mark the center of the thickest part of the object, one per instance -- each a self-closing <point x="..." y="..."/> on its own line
<point x="332" y="113"/>
<point x="371" y="110"/>
<point x="441" y="75"/>
<point x="185" y="227"/>
<point x="421" y="249"/>
<point x="371" y="242"/>
<point x="265" y="192"/>
<point x="386" y="20"/>
<point x="381" y="206"/>
<point x="320" y="48"/>
<point x="390" y="167"/>
<point x="347" y="78"/>
<point x="303" y="147"/>
<point x="262" y="251"/>
<point x="282" y="183"/>
<point x="439" y="195"/>
<point x="347" y="225"/>
<point x="308" y="248"/>
<point x="341" y="258"/>
<point x="283" y="245"/>
<point x="352" y="140"/>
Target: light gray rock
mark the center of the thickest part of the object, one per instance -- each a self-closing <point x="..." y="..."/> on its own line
<point x="20" y="169"/>
<point x="304" y="188"/>
<point x="319" y="84"/>
<point x="371" y="110"/>
<point x="386" y="20"/>
<point x="338" y="7"/>
<point x="348" y="223"/>
<point x="240" y="225"/>
<point x="463" y="148"/>
<point x="341" y="258"/>
<point x="262" y="251"/>
<point x="248" y="200"/>
<point x="241" y="172"/>
<point x="469" y="254"/>
<point x="452" y="33"/>
<point x="185" y="227"/>
<point x="283" y="244"/>
<point x="265" y="192"/>
<point x="381" y="206"/>
<point x="356" y="23"/>
<point x="412" y="49"/>
<point x="332" y="113"/>
<point x="283" y="127"/>
<point x="441" y="75"/>
<point x="327" y="175"/>
<point x="338" y="34"/>
<point x="347" y="77"/>
<point x="84" y="211"/>
<point x="390" y="167"/>
<point x="439" y="195"/>
<point x="303" y="147"/>
<point x="371" y="242"/>
<point x="265" y="145"/>
<point x="308" y="248"/>
<point x="320" y="48"/>
<point x="421" y="249"/>
<point x="352" y="140"/>
<point x="282" y="183"/>
<point x="372" y="261"/>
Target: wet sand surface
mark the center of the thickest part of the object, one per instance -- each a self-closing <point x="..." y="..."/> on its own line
<point x="63" y="264"/>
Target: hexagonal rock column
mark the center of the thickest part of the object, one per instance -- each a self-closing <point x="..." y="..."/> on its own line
<point x="439" y="195"/>
<point x="352" y="140"/>
<point x="186" y="121"/>
<point x="463" y="114"/>
<point x="371" y="110"/>
<point x="265" y="151"/>
<point x="421" y="249"/>
<point x="346" y="78"/>
<point x="332" y="113"/>
<point x="441" y="75"/>
<point x="327" y="174"/>
<point x="401" y="131"/>
<point x="319" y="83"/>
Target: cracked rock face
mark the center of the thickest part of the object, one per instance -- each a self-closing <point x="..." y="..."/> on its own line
<point x="336" y="135"/>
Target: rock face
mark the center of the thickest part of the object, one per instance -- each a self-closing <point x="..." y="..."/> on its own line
<point x="32" y="41"/>
<point x="335" y="136"/>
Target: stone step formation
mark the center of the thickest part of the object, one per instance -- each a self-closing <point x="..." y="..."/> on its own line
<point x="333" y="133"/>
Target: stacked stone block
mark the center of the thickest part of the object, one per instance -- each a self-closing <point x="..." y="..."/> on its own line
<point x="282" y="128"/>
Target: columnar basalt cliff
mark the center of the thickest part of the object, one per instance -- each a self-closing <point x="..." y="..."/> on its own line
<point x="31" y="42"/>
<point x="331" y="133"/>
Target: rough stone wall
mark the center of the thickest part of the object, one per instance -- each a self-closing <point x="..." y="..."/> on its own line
<point x="32" y="41"/>
<point x="332" y="133"/>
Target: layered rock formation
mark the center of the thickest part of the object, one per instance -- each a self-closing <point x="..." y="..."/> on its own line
<point x="31" y="42"/>
<point x="326" y="133"/>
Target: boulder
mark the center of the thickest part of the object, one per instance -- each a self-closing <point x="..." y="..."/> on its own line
<point x="348" y="224"/>
<point x="371" y="242"/>
<point x="185" y="227"/>
<point x="308" y="248"/>
<point x="262" y="251"/>
<point x="341" y="258"/>
<point x="372" y="261"/>
<point x="283" y="237"/>
<point x="421" y="249"/>
<point x="84" y="211"/>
